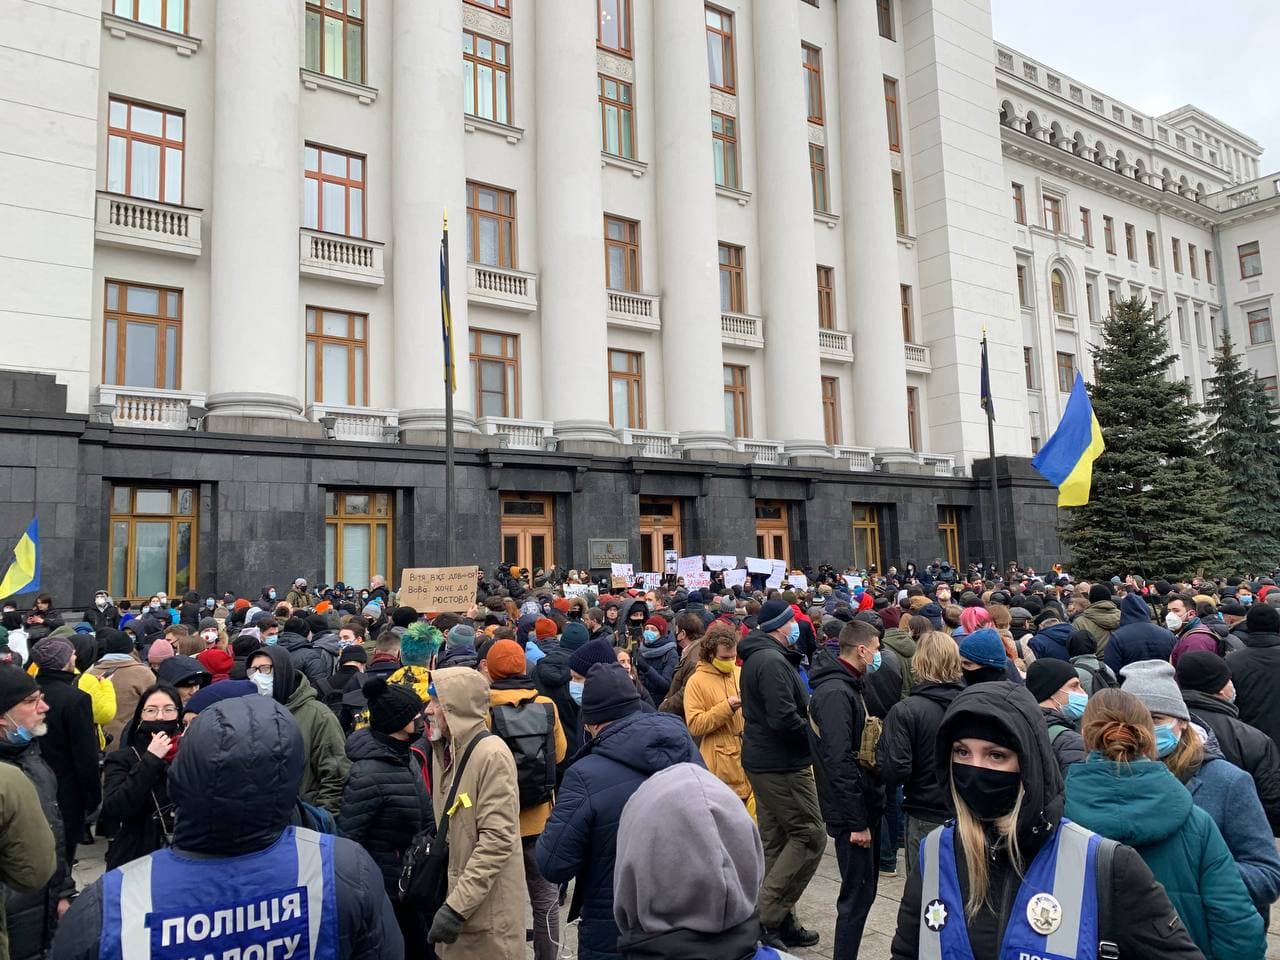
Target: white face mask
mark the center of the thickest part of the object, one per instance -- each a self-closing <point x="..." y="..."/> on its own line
<point x="100" y="602"/>
<point x="210" y="636"/>
<point x="265" y="682"/>
<point x="1172" y="620"/>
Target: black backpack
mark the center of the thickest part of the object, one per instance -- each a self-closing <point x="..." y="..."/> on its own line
<point x="528" y="728"/>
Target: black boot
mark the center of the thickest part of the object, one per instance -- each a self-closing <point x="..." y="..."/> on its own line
<point x="772" y="937"/>
<point x="794" y="935"/>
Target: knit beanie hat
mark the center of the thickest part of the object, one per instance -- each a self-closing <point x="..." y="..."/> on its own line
<point x="403" y="616"/>
<point x="355" y="653"/>
<point x="419" y="644"/>
<point x="544" y="628"/>
<point x="295" y="625"/>
<point x="317" y="624"/>
<point x="574" y="636"/>
<point x="114" y="641"/>
<point x="1202" y="670"/>
<point x="15" y="686"/>
<point x="589" y="654"/>
<point x="505" y="659"/>
<point x="773" y="615"/>
<point x="207" y="623"/>
<point x="933" y="613"/>
<point x="371" y="611"/>
<point x="1152" y="682"/>
<point x="658" y="623"/>
<point x="1046" y="676"/>
<point x="983" y="647"/>
<point x="609" y="693"/>
<point x="159" y="651"/>
<point x="1099" y="592"/>
<point x="217" y="662"/>
<point x="460" y="636"/>
<point x="52" y="653"/>
<point x="392" y="706"/>
<point x="1263" y="618"/>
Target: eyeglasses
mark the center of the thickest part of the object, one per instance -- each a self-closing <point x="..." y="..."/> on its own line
<point x="263" y="668"/>
<point x="160" y="713"/>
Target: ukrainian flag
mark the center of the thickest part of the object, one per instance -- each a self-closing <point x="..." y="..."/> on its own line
<point x="23" y="575"/>
<point x="1066" y="460"/>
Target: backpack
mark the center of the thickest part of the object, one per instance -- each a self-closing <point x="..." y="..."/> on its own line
<point x="528" y="728"/>
<point x="1095" y="677"/>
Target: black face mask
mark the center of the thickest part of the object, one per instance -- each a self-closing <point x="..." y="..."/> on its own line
<point x="984" y="675"/>
<point x="635" y="626"/>
<point x="989" y="794"/>
<point x="148" y="728"/>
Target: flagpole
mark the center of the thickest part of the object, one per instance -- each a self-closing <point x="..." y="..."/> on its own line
<point x="450" y="491"/>
<point x="991" y="452"/>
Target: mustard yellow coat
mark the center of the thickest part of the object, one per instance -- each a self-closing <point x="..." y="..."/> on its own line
<point x="715" y="725"/>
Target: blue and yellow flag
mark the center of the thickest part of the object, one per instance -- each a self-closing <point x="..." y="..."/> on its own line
<point x="1066" y="460"/>
<point x="23" y="575"/>
<point x="446" y="312"/>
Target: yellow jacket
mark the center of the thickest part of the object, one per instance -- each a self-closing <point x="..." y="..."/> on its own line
<point x="103" y="695"/>
<point x="532" y="819"/>
<point x="716" y="725"/>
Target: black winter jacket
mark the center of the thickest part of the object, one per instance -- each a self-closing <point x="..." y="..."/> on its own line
<point x="1247" y="747"/>
<point x="1147" y="927"/>
<point x="883" y="689"/>
<point x="33" y="917"/>
<point x="849" y="795"/>
<point x="775" y="707"/>
<point x="1137" y="638"/>
<point x="1068" y="745"/>
<point x="1255" y="671"/>
<point x="550" y="677"/>
<point x="316" y="658"/>
<point x="70" y="748"/>
<point x="135" y="795"/>
<point x="108" y="618"/>
<point x="906" y="755"/>
<point x="385" y="801"/>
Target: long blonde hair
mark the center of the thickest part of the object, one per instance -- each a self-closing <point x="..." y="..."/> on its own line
<point x="937" y="658"/>
<point x="1187" y="756"/>
<point x="973" y="840"/>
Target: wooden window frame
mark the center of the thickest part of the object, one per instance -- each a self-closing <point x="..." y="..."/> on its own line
<point x="914" y="433"/>
<point x="1024" y="294"/>
<point x="162" y="143"/>
<point x="732" y="258"/>
<point x="316" y="340"/>
<point x="131" y="517"/>
<point x="626" y="38"/>
<point x="1058" y="299"/>
<point x="1177" y="255"/>
<point x="1029" y="366"/>
<point x="908" y="313"/>
<point x="1086" y="226"/>
<point x="501" y="76"/>
<point x="884" y="18"/>
<point x="831" y="410"/>
<point x="507" y="233"/>
<point x="811" y="60"/>
<point x="1090" y="290"/>
<point x="900" y="203"/>
<point x="826" y="277"/>
<point x="1255" y="319"/>
<point x="121" y="317"/>
<point x="1246" y="257"/>
<point x="726" y="40"/>
<point x="1064" y="386"/>
<point x="1051" y="211"/>
<point x="318" y="8"/>
<point x="117" y="6"/>
<point x="949" y="527"/>
<point x="1019" y="203"/>
<point x="1193" y="262"/>
<point x="633" y="377"/>
<point x="893" y="116"/>
<point x="1208" y="267"/>
<point x="629" y="246"/>
<point x="869" y="527"/>
<point x="347" y="183"/>
<point x="1151" y="249"/>
<point x="738" y="377"/>
<point x="1109" y="234"/>
<point x="339" y="517"/>
<point x="501" y="7"/>
<point x="727" y="136"/>
<point x="510" y="360"/>
<point x="818" y="178"/>
<point x="1131" y="242"/>
<point x="625" y="113"/>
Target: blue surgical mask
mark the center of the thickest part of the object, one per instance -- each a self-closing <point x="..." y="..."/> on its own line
<point x="793" y="634"/>
<point x="874" y="665"/>
<point x="1166" y="741"/>
<point x="1246" y="599"/>
<point x="271" y="595"/>
<point x="651" y="636"/>
<point x="210" y="603"/>
<point x="19" y="734"/>
<point x="1076" y="702"/>
<point x="575" y="691"/>
<point x="270" y="641"/>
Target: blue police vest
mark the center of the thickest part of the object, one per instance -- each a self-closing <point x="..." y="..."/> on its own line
<point x="1055" y="915"/>
<point x="276" y="904"/>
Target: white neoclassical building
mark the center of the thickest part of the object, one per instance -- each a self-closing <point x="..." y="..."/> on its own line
<point x="741" y="232"/>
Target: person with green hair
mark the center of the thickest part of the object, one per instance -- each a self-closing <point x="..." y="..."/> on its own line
<point x="418" y="648"/>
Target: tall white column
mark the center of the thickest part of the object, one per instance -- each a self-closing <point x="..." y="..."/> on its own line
<point x="572" y="303"/>
<point x="256" y="215"/>
<point x="788" y="257"/>
<point x="427" y="177"/>
<point x="870" y="239"/>
<point x="688" y="259"/>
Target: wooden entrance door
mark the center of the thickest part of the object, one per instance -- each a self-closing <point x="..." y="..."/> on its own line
<point x="773" y="540"/>
<point x="528" y="531"/>
<point x="659" y="531"/>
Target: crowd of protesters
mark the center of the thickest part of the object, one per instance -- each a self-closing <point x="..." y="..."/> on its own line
<point x="1067" y="768"/>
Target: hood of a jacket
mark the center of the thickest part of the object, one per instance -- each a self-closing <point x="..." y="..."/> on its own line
<point x="178" y="670"/>
<point x="900" y="642"/>
<point x="1138" y="803"/>
<point x="291" y="641"/>
<point x="553" y="669"/>
<point x="825" y="667"/>
<point x="756" y="644"/>
<point x="1013" y="708"/>
<point x="463" y="694"/>
<point x="105" y="668"/>
<point x="287" y="678"/>
<point x="1134" y="609"/>
<point x="1254" y="639"/>
<point x="646" y="742"/>
<point x="1058" y="633"/>
<point x="940" y="693"/>
<point x="328" y="642"/>
<point x="235" y="779"/>
<point x="302" y="692"/>
<point x="1103" y="614"/>
<point x="366" y="744"/>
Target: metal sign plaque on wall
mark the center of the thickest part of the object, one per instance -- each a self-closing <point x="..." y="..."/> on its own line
<point x="602" y="553"/>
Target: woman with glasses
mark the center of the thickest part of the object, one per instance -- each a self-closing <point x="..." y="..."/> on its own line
<point x="135" y="793"/>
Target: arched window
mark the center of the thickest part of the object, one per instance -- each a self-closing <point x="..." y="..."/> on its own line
<point x="1058" y="291"/>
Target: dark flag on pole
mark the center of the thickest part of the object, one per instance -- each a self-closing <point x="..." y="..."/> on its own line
<point x="984" y="390"/>
<point x="446" y="313"/>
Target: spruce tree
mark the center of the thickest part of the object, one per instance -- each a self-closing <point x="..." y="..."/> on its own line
<point x="1157" y="502"/>
<point x="1244" y="443"/>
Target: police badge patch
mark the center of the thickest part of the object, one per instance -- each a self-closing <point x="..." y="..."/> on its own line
<point x="935" y="915"/>
<point x="1044" y="913"/>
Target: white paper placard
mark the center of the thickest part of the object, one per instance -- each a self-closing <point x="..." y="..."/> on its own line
<point x="669" y="558"/>
<point x="651" y="580"/>
<point x="624" y="570"/>
<point x="735" y="578"/>
<point x="799" y="581"/>
<point x="759" y="565"/>
<point x="717" y="561"/>
<point x="778" y="570"/>
<point x="852" y="581"/>
<point x="689" y="566"/>
<point x="697" y="581"/>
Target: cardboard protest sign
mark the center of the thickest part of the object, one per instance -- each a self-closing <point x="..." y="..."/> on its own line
<point x="438" y="589"/>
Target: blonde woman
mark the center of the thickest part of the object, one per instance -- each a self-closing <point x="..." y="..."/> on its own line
<point x="1011" y="877"/>
<point x="713" y="707"/>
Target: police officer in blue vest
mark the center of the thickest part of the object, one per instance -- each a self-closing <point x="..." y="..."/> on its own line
<point x="1009" y="878"/>
<point x="238" y="882"/>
